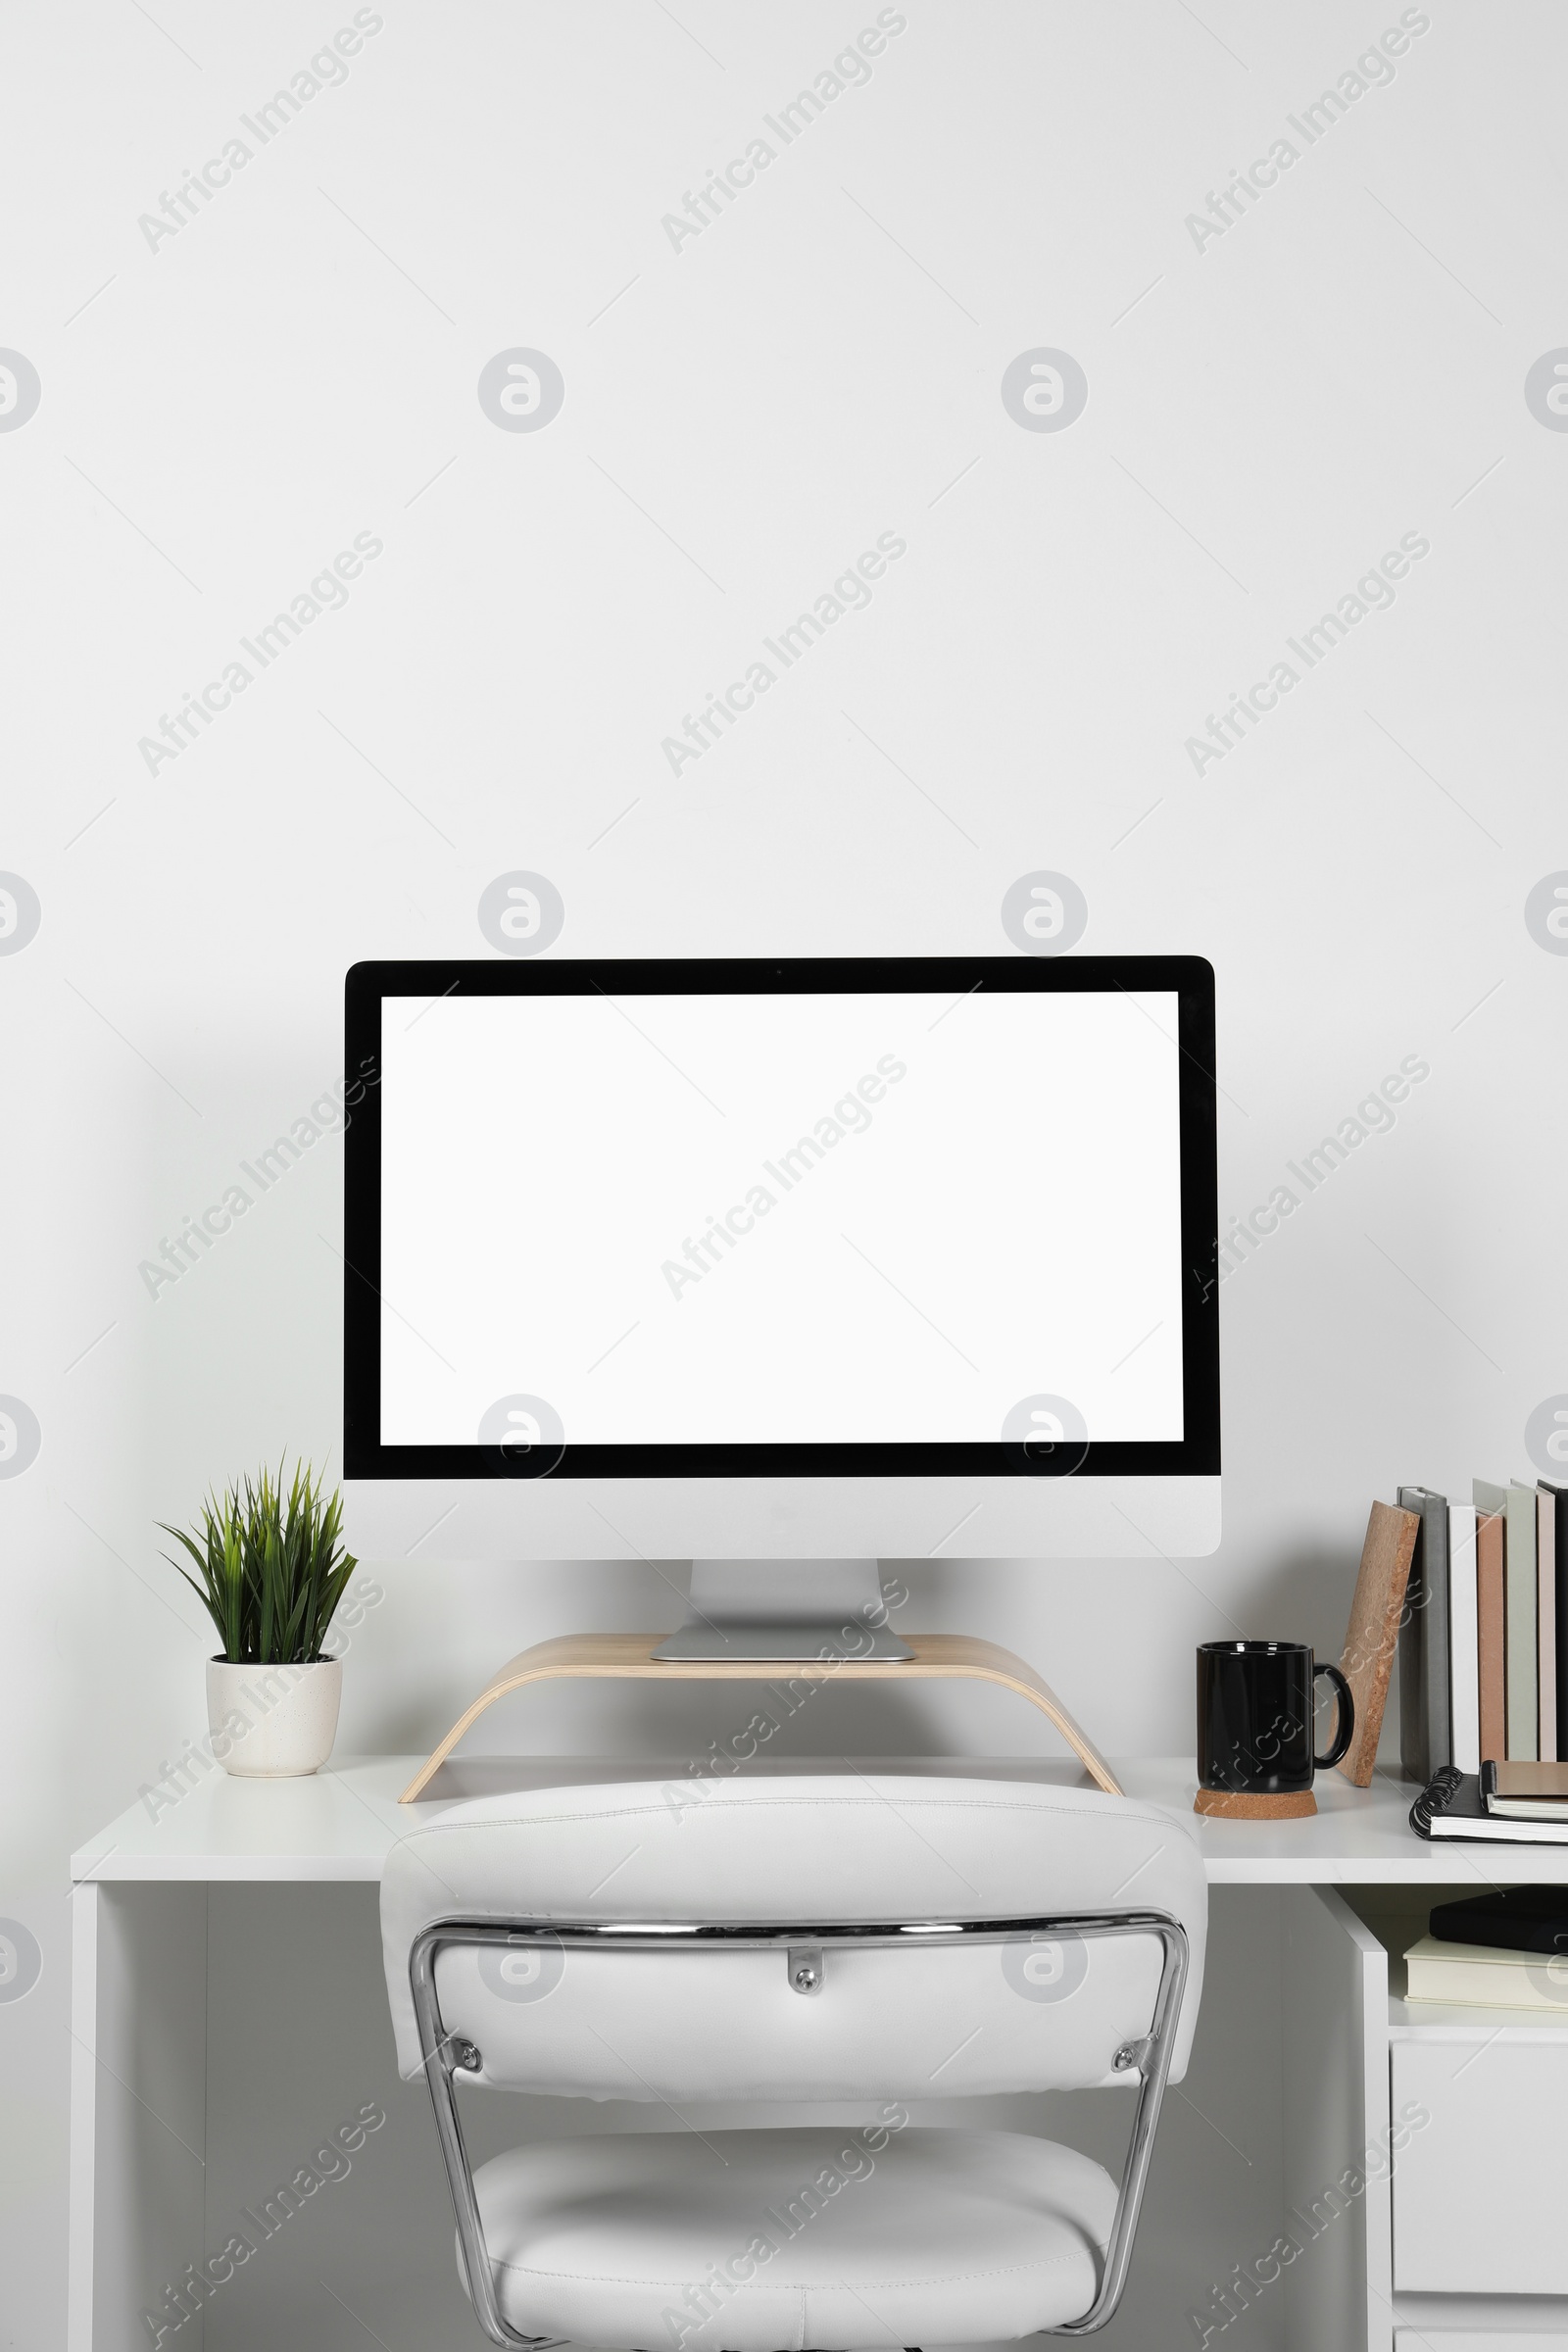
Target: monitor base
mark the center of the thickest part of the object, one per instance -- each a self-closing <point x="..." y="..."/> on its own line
<point x="784" y="1610"/>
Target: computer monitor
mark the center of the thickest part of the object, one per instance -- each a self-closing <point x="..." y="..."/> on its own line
<point x="834" y="1260"/>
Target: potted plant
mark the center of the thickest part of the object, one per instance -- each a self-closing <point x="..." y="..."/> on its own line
<point x="270" y="1572"/>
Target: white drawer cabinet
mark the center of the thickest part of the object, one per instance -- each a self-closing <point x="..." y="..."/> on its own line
<point x="1423" y="2184"/>
<point x="1464" y="2248"/>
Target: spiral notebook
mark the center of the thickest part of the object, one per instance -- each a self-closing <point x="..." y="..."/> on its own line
<point x="1450" y="1806"/>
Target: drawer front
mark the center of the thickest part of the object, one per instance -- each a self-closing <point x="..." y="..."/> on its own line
<point x="1481" y="2190"/>
<point x="1470" y="2339"/>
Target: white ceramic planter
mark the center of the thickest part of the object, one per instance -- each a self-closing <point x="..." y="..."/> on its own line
<point x="273" y="1722"/>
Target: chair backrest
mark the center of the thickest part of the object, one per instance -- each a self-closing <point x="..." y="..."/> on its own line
<point x="952" y="2019"/>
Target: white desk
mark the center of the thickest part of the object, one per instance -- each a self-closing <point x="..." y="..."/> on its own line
<point x="229" y="2014"/>
<point x="339" y="1825"/>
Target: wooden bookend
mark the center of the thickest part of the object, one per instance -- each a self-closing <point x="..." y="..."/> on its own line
<point x="1373" y="1634"/>
<point x="630" y="1656"/>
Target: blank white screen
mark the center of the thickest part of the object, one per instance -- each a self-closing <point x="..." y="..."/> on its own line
<point x="725" y="1220"/>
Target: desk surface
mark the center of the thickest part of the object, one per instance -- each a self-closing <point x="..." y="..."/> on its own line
<point x="340" y="1824"/>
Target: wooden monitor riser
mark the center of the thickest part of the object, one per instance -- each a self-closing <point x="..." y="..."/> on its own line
<point x="623" y="1657"/>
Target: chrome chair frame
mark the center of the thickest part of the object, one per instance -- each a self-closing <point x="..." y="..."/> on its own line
<point x="447" y="2055"/>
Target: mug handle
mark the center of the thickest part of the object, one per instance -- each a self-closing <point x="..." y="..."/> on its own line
<point x="1344" y="1718"/>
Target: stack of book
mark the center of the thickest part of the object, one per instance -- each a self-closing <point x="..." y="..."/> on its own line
<point x="1483" y="1638"/>
<point x="1507" y="1950"/>
<point x="1526" y="1804"/>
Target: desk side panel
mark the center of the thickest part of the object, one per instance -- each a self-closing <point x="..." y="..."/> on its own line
<point x="84" y="1901"/>
<point x="138" y="2104"/>
<point x="1336" y="2128"/>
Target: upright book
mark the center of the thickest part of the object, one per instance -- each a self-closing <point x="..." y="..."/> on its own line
<point x="1425" y="1737"/>
<point x="1548" y="1743"/>
<point x="1492" y="1728"/>
<point x="1464" y="1698"/>
<point x="1523" y="1612"/>
<point x="1558" y="1496"/>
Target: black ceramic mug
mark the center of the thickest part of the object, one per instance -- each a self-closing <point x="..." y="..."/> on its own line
<point x="1254" y="1717"/>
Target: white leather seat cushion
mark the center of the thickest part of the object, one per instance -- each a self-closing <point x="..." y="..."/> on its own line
<point x="942" y="2237"/>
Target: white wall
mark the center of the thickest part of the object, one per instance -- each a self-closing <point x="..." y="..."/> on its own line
<point x="1266" y="416"/>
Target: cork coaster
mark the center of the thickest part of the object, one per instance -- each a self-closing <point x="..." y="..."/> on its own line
<point x="1230" y="1806"/>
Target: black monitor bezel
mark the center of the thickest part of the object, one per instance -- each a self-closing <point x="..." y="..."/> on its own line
<point x="1197" y="1454"/>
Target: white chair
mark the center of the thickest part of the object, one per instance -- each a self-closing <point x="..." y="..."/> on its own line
<point x="848" y="1942"/>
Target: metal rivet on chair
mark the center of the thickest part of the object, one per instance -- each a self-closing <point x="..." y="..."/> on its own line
<point x="807" y="1967"/>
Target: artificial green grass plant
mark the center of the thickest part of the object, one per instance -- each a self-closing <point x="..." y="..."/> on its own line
<point x="269" y="1567"/>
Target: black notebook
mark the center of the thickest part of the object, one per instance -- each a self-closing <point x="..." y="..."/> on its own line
<point x="1450" y="1806"/>
<point x="1512" y="1918"/>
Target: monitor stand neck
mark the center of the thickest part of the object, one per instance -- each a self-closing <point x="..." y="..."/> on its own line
<point x="785" y="1609"/>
